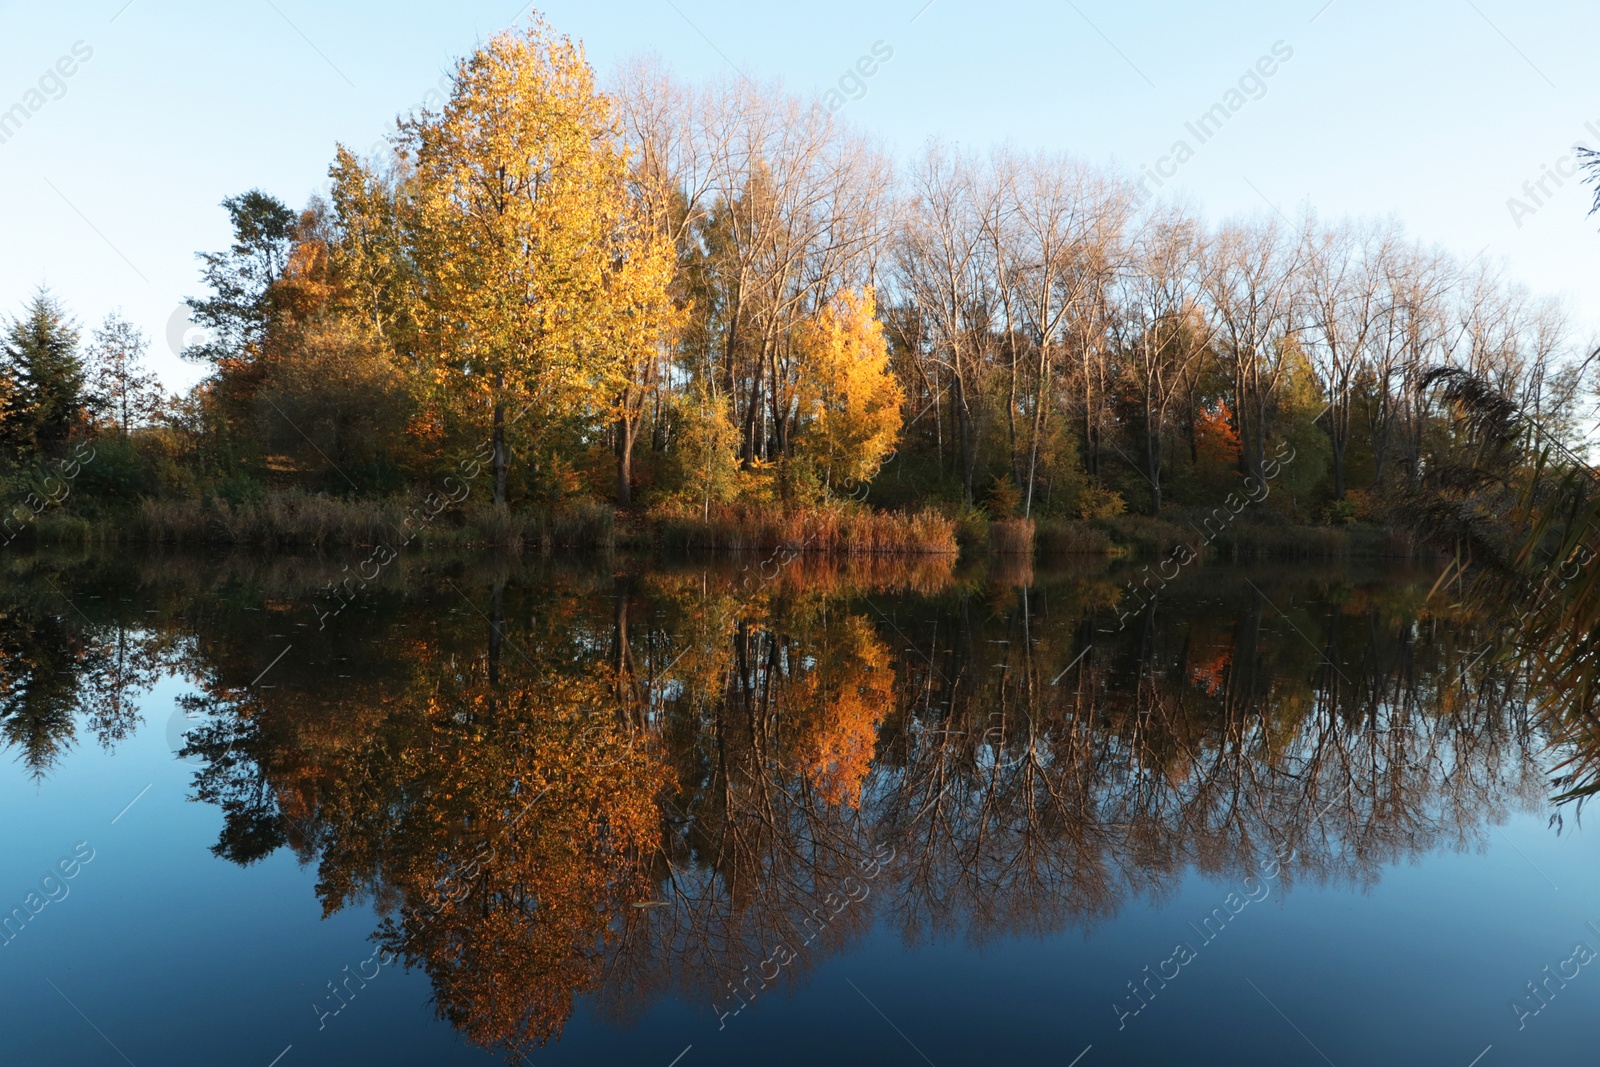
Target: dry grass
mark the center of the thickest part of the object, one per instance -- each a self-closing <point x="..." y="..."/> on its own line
<point x="583" y="526"/>
<point x="1150" y="536"/>
<point x="836" y="531"/>
<point x="280" y="520"/>
<point x="295" y="519"/>
<point x="1072" y="539"/>
<point x="1011" y="537"/>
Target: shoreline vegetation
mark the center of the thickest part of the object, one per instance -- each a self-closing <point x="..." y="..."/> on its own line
<point x="304" y="522"/>
<point x="572" y="311"/>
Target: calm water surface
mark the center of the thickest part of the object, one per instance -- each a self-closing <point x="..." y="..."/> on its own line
<point x="614" y="811"/>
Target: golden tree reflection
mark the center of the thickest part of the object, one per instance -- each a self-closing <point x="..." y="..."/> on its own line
<point x="555" y="783"/>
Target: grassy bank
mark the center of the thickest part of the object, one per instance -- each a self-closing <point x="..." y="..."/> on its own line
<point x="296" y="520"/>
<point x="1145" y="537"/>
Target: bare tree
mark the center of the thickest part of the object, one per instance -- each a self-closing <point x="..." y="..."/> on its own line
<point x="1057" y="242"/>
<point x="671" y="175"/>
<point x="1345" y="267"/>
<point x="939" y="270"/>
<point x="1163" y="335"/>
<point x="799" y="202"/>
<point x="122" y="388"/>
<point x="1252" y="293"/>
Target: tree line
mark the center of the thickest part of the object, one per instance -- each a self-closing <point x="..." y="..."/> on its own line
<point x="696" y="297"/>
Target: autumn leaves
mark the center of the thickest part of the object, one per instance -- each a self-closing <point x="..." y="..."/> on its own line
<point x="538" y="262"/>
<point x="536" y="275"/>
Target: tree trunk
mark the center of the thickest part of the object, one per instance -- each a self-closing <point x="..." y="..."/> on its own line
<point x="501" y="459"/>
<point x="1011" y="421"/>
<point x="755" y="406"/>
<point x="1040" y="406"/>
<point x="1152" y="456"/>
<point x="1338" y="467"/>
<point x="627" y="434"/>
<point x="969" y="457"/>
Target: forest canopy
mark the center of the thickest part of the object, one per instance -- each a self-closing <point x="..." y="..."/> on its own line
<point x="685" y="301"/>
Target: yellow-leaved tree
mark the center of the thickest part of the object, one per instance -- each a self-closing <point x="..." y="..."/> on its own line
<point x="639" y="321"/>
<point x="539" y="283"/>
<point x="707" y="449"/>
<point x="849" y="398"/>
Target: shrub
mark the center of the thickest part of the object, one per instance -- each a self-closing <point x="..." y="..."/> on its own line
<point x="1098" y="502"/>
<point x="1340" y="512"/>
<point x="1012" y="537"/>
<point x="971" y="528"/>
<point x="1147" y="535"/>
<point x="238" y="489"/>
<point x="1004" y="497"/>
<point x="1072" y="538"/>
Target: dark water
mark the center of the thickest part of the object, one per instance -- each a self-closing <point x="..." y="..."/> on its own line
<point x="611" y="811"/>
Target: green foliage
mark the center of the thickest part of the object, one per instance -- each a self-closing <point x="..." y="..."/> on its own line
<point x="1096" y="502"/>
<point x="335" y="408"/>
<point x="801" y="481"/>
<point x="971" y="528"/>
<point x="44" y="379"/>
<point x="119" y="475"/>
<point x="237" y="313"/>
<point x="706" y="456"/>
<point x="240" y="489"/>
<point x="1340" y="512"/>
<point x="1300" y="482"/>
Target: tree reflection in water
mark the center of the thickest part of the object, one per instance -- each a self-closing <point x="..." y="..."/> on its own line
<point x="553" y="782"/>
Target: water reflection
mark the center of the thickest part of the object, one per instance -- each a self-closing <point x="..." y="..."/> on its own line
<point x="628" y="782"/>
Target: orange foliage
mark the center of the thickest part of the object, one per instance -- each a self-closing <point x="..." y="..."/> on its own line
<point x="839" y="705"/>
<point x="1211" y="673"/>
<point x="1216" y="441"/>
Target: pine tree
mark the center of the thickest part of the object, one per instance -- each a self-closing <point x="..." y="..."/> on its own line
<point x="40" y="355"/>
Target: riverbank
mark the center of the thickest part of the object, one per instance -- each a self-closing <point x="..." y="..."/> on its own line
<point x="1187" y="535"/>
<point x="296" y="520"/>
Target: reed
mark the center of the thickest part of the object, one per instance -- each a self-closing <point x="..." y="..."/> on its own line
<point x="1012" y="537"/>
<point x="1251" y="541"/>
<point x="1071" y="538"/>
<point x="838" y="531"/>
<point x="283" y="520"/>
<point x="1144" y="535"/>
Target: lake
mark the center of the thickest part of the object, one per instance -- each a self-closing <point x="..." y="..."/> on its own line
<point x="436" y="810"/>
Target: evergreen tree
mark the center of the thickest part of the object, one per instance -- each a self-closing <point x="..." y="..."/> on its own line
<point x="40" y="355"/>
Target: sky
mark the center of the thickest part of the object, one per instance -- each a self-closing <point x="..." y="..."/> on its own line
<point x="142" y="116"/>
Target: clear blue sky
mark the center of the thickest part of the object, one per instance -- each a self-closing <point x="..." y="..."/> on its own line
<point x="1435" y="112"/>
